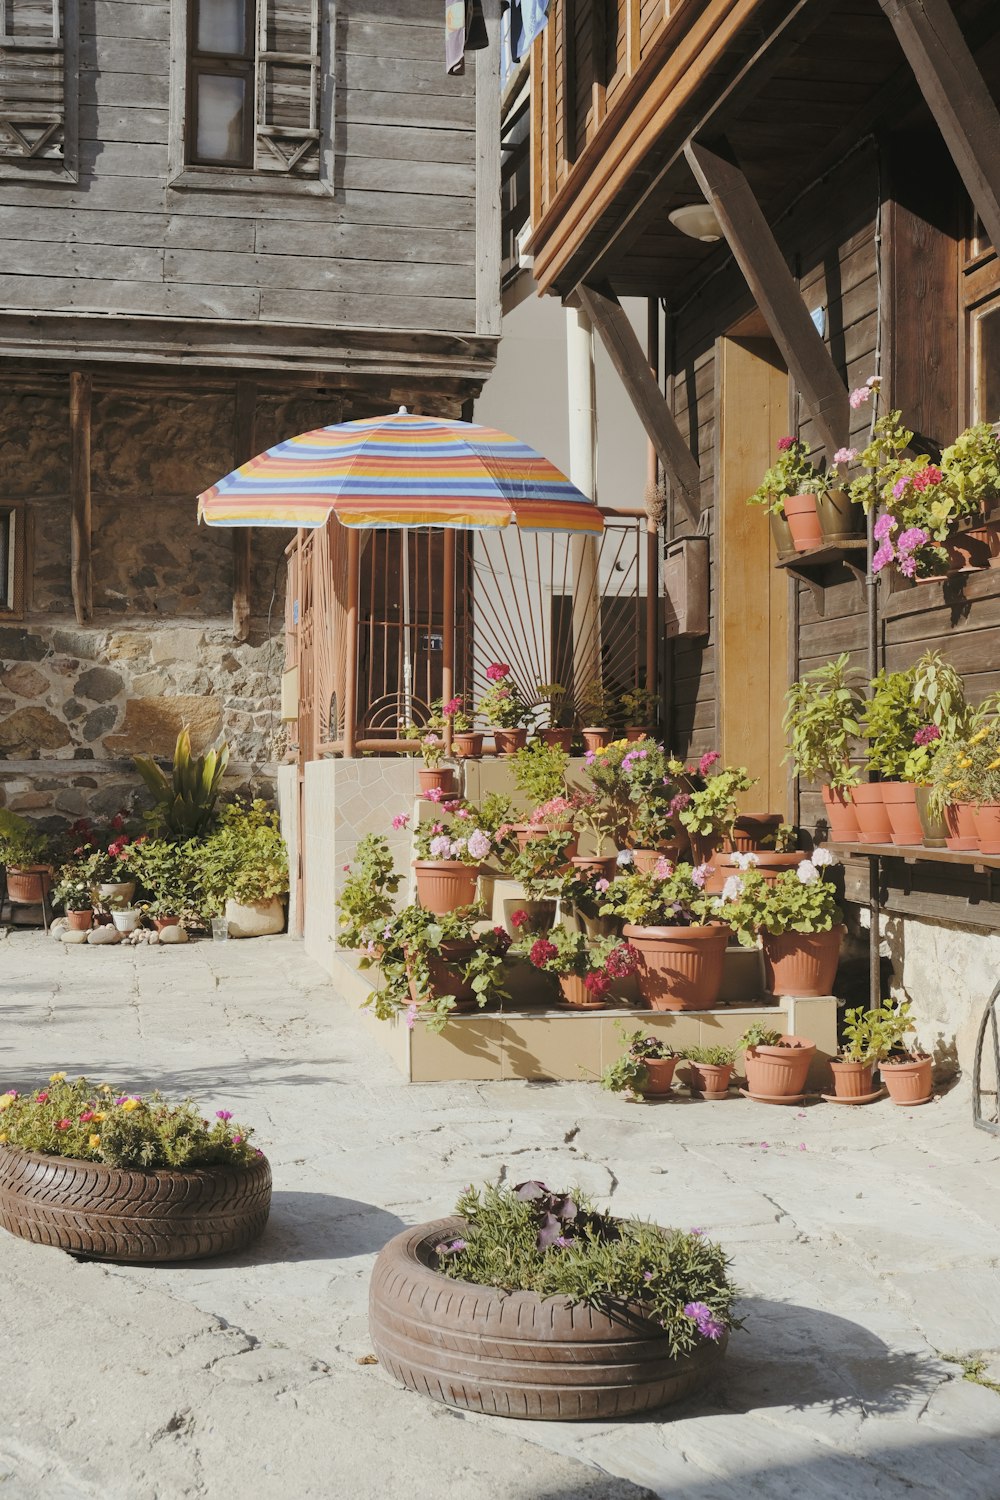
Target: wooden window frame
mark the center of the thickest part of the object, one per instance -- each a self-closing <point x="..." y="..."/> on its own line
<point x="14" y="517"/>
<point x="65" y="41"/>
<point x="219" y="65"/>
<point x="979" y="289"/>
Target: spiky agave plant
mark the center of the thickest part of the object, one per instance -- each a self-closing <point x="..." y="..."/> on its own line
<point x="185" y="801"/>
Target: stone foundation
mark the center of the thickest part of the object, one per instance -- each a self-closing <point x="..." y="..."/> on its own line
<point x="948" y="973"/>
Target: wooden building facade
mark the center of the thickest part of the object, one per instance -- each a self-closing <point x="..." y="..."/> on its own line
<point x="850" y="151"/>
<point x="222" y="222"/>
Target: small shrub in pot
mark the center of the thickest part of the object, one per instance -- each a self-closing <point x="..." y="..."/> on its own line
<point x="708" y="1071"/>
<point x="645" y="1067"/>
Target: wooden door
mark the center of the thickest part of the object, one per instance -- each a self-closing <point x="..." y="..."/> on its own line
<point x="751" y="615"/>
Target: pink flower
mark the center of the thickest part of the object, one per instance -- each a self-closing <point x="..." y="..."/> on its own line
<point x="440" y="847"/>
<point x="926" y="477"/>
<point x="237" y="1140"/>
<point x="678" y="803"/>
<point x="860" y="396"/>
<point x="63" y="1124"/>
<point x="601" y="885"/>
<point x="899" y="488"/>
<point x="223" y="1114"/>
<point x="400" y="821"/>
<point x="884" y="526"/>
<point x="927" y="735"/>
<point x="451" y="707"/>
<point x="884" y="555"/>
<point x="411" y="1016"/>
<point x="497" y="671"/>
<point x="43" y="1096"/>
<point x="437" y="828"/>
<point x="708" y="761"/>
<point x="542" y="951"/>
<point x="700" y="874"/>
<point x="845" y="455"/>
<point x="911" y="539"/>
<point x="907" y="566"/>
<point x="478" y="845"/>
<point x="463" y="812"/>
<point x="663" y="868"/>
<point x="519" y="918"/>
<point x="435" y="794"/>
<point x="785" y="443"/>
<point x="596" y="984"/>
<point x="87" y="1116"/>
<point x="345" y="868"/>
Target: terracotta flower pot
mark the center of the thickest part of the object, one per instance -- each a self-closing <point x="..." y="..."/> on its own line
<point x="908" y="1082"/>
<point x="645" y="860"/>
<point x="527" y="833"/>
<point x="779" y="1072"/>
<point x="27" y="885"/>
<point x="575" y="994"/>
<point x="801" y="963"/>
<point x="960" y="823"/>
<point x="509" y="740"/>
<point x="900" y="801"/>
<point x="603" y="866"/>
<point x="635" y="732"/>
<point x="782" y="534"/>
<point x="841" y="814"/>
<point x="987" y="818"/>
<point x="161" y="922"/>
<point x="446" y="977"/>
<point x="79" y="921"/>
<point x="595" y="739"/>
<point x="852" y="1080"/>
<point x="708" y="1080"/>
<point x="661" y="1075"/>
<point x="441" y="779"/>
<point x="562" y="739"/>
<point x="988" y="533"/>
<point x="445" y="884"/>
<point x="803" y="522"/>
<point x="704" y="847"/>
<point x="873" y="820"/>
<point x="935" y="829"/>
<point x="467" y="743"/>
<point x="749" y="831"/>
<point x="770" y="865"/>
<point x="679" y="968"/>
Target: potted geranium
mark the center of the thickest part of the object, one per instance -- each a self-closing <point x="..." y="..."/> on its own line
<point x="797" y="919"/>
<point x="906" y="1071"/>
<point x="434" y="964"/>
<point x="709" y="811"/>
<point x="540" y="775"/>
<point x="105" y="849"/>
<point x="641" y="709"/>
<point x="585" y="967"/>
<point x="776" y="1064"/>
<point x="433" y="775"/>
<point x="466" y="740"/>
<point x="592" y="821"/>
<point x="245" y="864"/>
<point x="594" y="708"/>
<point x="539" y="868"/>
<point x="668" y="920"/>
<point x="645" y="1067"/>
<point x="808" y="508"/>
<point x="504" y="709"/>
<point x="366" y="897"/>
<point x="73" y="894"/>
<point x="607" y="1316"/>
<point x="557" y="732"/>
<point x="24" y="856"/>
<point x="930" y="694"/>
<point x="104" y="1173"/>
<point x="869" y="1036"/>
<point x="823" y="715"/>
<point x="449" y="856"/>
<point x="638" y="782"/>
<point x="707" y="1071"/>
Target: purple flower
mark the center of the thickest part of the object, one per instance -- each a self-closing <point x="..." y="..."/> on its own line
<point x="911" y="539"/>
<point x="907" y="566"/>
<point x="696" y="1231"/>
<point x="440" y="847"/>
<point x="601" y="885"/>
<point x="884" y="526"/>
<point x="647" y="1275"/>
<point x="411" y="1017"/>
<point x="700" y="874"/>
<point x="884" y="555"/>
<point x="927" y="735"/>
<point x="223" y="1114"/>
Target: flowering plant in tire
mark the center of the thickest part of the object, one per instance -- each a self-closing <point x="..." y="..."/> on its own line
<point x="556" y="1243"/>
<point x="83" y="1122"/>
<point x="502" y="704"/>
<point x="564" y="951"/>
<point x="668" y="896"/>
<point x="800" y="900"/>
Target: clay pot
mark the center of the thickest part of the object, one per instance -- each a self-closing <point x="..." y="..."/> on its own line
<point x="541" y="915"/>
<point x="749" y="831"/>
<point x="966" y="552"/>
<point x="441" y="779"/>
<point x="446" y="977"/>
<point x="79" y="921"/>
<point x="602" y="866"/>
<point x="782" y="534"/>
<point x="526" y="833"/>
<point x="509" y="740"/>
<point x="116" y="891"/>
<point x="27" y="885"/>
<point x="467" y="743"/>
<point x="162" y="922"/>
<point x="249" y="919"/>
<point x="704" y="847"/>
<point x="595" y="739"/>
<point x="801" y="963"/>
<point x="935" y="829"/>
<point x="445" y="884"/>
<point x="779" y="1072"/>
<point x="900" y="801"/>
<point x="839" y="520"/>
<point x="680" y="968"/>
<point x="770" y="865"/>
<point x="660" y="1078"/>
<point x="873" y="820"/>
<point x="988" y="533"/>
<point x="708" y="1080"/>
<point x="908" y="1082"/>
<point x="644" y="860"/>
<point x="852" y="1080"/>
<point x="988" y="827"/>
<point x="841" y="814"/>
<point x="960" y="823"/>
<point x="635" y="732"/>
<point x="561" y="738"/>
<point x="803" y="522"/>
<point x="576" y="994"/>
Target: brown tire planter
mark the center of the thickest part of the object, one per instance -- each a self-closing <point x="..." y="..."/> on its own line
<point x="127" y="1214"/>
<point x="516" y="1354"/>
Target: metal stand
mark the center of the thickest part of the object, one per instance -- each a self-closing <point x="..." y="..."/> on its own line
<point x="988" y="1023"/>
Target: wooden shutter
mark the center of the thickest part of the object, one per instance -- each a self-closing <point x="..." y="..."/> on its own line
<point x="32" y="82"/>
<point x="288" y="87"/>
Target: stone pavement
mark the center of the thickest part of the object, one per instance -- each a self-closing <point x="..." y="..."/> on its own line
<point x="866" y="1242"/>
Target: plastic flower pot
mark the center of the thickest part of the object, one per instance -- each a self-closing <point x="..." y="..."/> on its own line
<point x="900" y="801"/>
<point x="660" y="1079"/>
<point x="27" y="885"/>
<point x="526" y="833"/>
<point x="803" y="522"/>
<point x="841" y="814"/>
<point x="467" y="744"/>
<point x="708" y="1080"/>
<point x="441" y="779"/>
<point x="749" y="831"/>
<point x="782" y="534"/>
<point x="770" y="864"/>
<point x="801" y="963"/>
<point x="79" y="921"/>
<point x="679" y="968"/>
<point x="562" y="739"/>
<point x="575" y="994"/>
<point x="839" y="520"/>
<point x="873" y="820"/>
<point x="595" y="739"/>
<point x="539" y="916"/>
<point x="127" y="919"/>
<point x="779" y="1072"/>
<point x="704" y="847"/>
<point x="960" y="823"/>
<point x="446" y="977"/>
<point x="445" y="884"/>
<point x="116" y="890"/>
<point x="601" y="866"/>
<point x="987" y="818"/>
<point x="646" y="860"/>
<point x="909" y="1081"/>
<point x="509" y="740"/>
<point x="935" y="829"/>
<point x="852" y="1080"/>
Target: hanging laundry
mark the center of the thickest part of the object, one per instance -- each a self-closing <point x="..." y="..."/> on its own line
<point x="464" y="31"/>
<point x="527" y="19"/>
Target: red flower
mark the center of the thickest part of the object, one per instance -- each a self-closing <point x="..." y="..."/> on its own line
<point x="497" y="671"/>
<point x="708" y="761"/>
<point x="926" y="477"/>
<point x="542" y="951"/>
<point x="596" y="982"/>
<point x="785" y="443"/>
<point x="622" y="961"/>
<point x="63" y="1124"/>
<point x="519" y="918"/>
<point x="451" y="707"/>
<point x="502" y="938"/>
<point x="118" y="822"/>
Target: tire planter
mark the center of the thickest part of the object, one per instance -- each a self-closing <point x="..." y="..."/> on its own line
<point x="444" y="884"/>
<point x="708" y="1080"/>
<point x="255" y="918"/>
<point x="841" y="814"/>
<point x="28" y="885"/>
<point x="908" y="1082"/>
<point x="113" y="1213"/>
<point x="595" y="739"/>
<point x="79" y="921"/>
<point x="960" y="823"/>
<point x="562" y="739"/>
<point x="873" y="820"/>
<point x="801" y="963"/>
<point x="803" y="522"/>
<point x="900" y="801"/>
<point x="679" y="968"/>
<point x="467" y="744"/>
<point x="441" y="779"/>
<point x="987" y="819"/>
<point x="509" y="740"/>
<point x="575" y="994"/>
<point x="852" y="1080"/>
<point x="779" y="1072"/>
<point x="515" y="1354"/>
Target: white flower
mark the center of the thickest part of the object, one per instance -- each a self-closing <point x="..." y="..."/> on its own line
<point x="732" y="889"/>
<point x="478" y="844"/>
<point x="822" y="857"/>
<point x="746" y="861"/>
<point x="807" y="872"/>
<point x="441" y="847"/>
<point x="624" y="857"/>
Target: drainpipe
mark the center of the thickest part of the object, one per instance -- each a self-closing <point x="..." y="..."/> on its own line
<point x="582" y="407"/>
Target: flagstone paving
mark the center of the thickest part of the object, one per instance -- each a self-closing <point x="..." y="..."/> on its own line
<point x="866" y="1243"/>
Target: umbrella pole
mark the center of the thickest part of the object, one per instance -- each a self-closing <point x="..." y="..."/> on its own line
<point x="351" y="642"/>
<point x="448" y="635"/>
<point x="407" y="658"/>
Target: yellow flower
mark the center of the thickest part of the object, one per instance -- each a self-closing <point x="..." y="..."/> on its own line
<point x="104" y="1088"/>
<point x="993" y="764"/>
<point x="3" y="1138"/>
<point x="130" y="1105"/>
<point x="94" y="1142"/>
<point x="6" y="1100"/>
<point x="965" y="760"/>
<point x="57" y="1077"/>
<point x="979" y="736"/>
<point x="99" y="1114"/>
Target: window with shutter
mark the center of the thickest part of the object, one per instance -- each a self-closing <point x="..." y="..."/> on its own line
<point x="288" y="86"/>
<point x="37" y="128"/>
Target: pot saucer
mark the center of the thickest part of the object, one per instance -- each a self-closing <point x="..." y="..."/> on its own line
<point x="912" y="1103"/>
<point x="773" y="1098"/>
<point x="707" y="1094"/>
<point x="861" y="1098"/>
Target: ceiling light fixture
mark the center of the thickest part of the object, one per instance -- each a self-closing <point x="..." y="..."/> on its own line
<point x="698" y="221"/>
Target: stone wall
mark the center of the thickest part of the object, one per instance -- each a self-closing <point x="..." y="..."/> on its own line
<point x="948" y="972"/>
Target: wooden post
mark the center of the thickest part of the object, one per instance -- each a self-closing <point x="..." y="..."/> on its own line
<point x="80" y="526"/>
<point x="652" y="478"/>
<point x="351" y="640"/>
<point x="759" y="257"/>
<point x="448" y="633"/>
<point x="957" y="97"/>
<point x="243" y="449"/>
<point x="619" y="339"/>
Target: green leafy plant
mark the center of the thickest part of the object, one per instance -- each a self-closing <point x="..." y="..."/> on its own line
<point x="73" y="890"/>
<point x="930" y="694"/>
<point x="540" y="771"/>
<point x="76" y="1120"/>
<point x="594" y="705"/>
<point x="171" y="875"/>
<point x="792" y="473"/>
<point x="529" y="1238"/>
<point x="366" y="899"/>
<point x="710" y="1057"/>
<point x="245" y="860"/>
<point x="20" y="844"/>
<point x="414" y="943"/>
<point x="502" y="704"/>
<point x="556" y="700"/>
<point x="629" y="1074"/>
<point x="758" y="1034"/>
<point x="669" y="896"/>
<point x="640" y="706"/>
<point x="870" y="1035"/>
<point x="823" y="717"/>
<point x="710" y="811"/>
<point x="185" y="800"/>
<point x="799" y="900"/>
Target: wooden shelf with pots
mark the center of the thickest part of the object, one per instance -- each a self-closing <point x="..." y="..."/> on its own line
<point x="911" y="854"/>
<point x="806" y="566"/>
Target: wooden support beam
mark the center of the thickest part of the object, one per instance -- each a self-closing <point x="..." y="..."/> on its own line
<point x="244" y="423"/>
<point x="619" y="338"/>
<point x="956" y="95"/>
<point x="81" y="575"/>
<point x="775" y="291"/>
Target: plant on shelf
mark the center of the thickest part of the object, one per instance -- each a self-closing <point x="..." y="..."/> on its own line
<point x="245" y="860"/>
<point x="776" y="1066"/>
<point x="22" y="847"/>
<point x="595" y="706"/>
<point x="185" y="800"/>
<point x="709" y="811"/>
<point x="632" y="1075"/>
<point x="502" y="704"/>
<point x="366" y="898"/>
<point x="433" y="964"/>
<point x="669" y="896"/>
<point x="798" y="918"/>
<point x="823" y="718"/>
<point x="640" y="707"/>
<point x="928" y="694"/>
<point x="792" y="473"/>
<point x="540" y="771"/>
<point x="557" y="705"/>
<point x="585" y="967"/>
<point x="671" y="923"/>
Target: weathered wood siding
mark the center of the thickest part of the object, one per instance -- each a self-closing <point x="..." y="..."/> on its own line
<point x="390" y="242"/>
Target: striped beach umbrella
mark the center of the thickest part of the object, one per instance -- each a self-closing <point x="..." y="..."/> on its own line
<point x="401" y="470"/>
